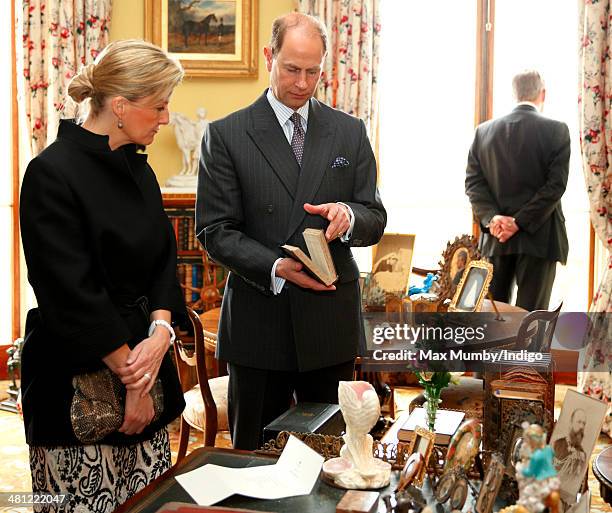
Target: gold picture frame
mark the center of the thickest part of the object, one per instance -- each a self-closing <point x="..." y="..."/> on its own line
<point x="423" y="443"/>
<point x="211" y="38"/>
<point x="473" y="287"/>
<point x="455" y="259"/>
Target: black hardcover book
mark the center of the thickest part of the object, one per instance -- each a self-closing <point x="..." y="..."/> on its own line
<point x="321" y="418"/>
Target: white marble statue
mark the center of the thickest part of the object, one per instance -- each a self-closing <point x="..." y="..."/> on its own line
<point x="357" y="468"/>
<point x="188" y="137"/>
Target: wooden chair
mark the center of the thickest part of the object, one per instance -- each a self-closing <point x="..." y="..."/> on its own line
<point x="214" y="278"/>
<point x="206" y="399"/>
<point x="541" y="339"/>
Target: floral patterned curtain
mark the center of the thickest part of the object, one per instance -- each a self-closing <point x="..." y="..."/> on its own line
<point x="349" y="80"/>
<point x="595" y="104"/>
<point x="59" y="36"/>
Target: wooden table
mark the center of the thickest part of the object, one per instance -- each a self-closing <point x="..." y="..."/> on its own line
<point x="602" y="469"/>
<point x="210" y="323"/>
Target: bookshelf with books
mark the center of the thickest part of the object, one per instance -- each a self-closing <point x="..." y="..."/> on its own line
<point x="202" y="280"/>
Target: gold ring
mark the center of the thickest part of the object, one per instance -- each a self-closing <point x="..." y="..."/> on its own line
<point x="147" y="375"/>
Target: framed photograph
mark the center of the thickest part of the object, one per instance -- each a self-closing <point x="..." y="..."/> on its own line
<point x="455" y="259"/>
<point x="513" y="450"/>
<point x="445" y="486"/>
<point x="583" y="505"/>
<point x="464" y="445"/>
<point x="422" y="443"/>
<point x="214" y="38"/>
<point x="392" y="263"/>
<point x="574" y="438"/>
<point x="411" y="470"/>
<point x="472" y="288"/>
<point x="490" y="485"/>
<point x="452" y="486"/>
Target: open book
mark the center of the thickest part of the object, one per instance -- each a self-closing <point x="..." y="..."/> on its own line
<point x="320" y="263"/>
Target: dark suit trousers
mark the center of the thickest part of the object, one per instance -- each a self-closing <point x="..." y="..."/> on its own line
<point x="257" y="396"/>
<point x="534" y="278"/>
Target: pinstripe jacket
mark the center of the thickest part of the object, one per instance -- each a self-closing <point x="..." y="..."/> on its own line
<point x="251" y="193"/>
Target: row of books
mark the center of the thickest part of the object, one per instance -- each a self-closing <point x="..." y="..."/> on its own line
<point x="191" y="275"/>
<point x="184" y="230"/>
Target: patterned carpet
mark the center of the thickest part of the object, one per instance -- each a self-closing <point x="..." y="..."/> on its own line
<point x="15" y="474"/>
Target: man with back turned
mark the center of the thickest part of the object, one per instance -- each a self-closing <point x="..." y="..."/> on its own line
<point x="285" y="163"/>
<point x="516" y="175"/>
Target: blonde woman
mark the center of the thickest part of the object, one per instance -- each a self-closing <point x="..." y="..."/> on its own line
<point x="101" y="259"/>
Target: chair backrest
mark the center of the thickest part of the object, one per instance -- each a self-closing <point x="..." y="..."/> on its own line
<point x="214" y="278"/>
<point x="197" y="360"/>
<point x="539" y="340"/>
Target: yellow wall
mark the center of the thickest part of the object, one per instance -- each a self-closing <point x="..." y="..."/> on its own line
<point x="219" y="96"/>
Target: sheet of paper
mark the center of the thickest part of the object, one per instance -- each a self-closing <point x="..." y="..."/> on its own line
<point x="295" y="473"/>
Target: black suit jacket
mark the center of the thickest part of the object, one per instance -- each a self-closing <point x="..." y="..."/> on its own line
<point x="251" y="193"/>
<point x="95" y="238"/>
<point x="518" y="166"/>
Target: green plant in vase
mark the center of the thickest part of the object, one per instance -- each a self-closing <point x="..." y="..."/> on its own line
<point x="434" y="383"/>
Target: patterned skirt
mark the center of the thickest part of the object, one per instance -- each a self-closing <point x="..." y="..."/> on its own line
<point x="97" y="478"/>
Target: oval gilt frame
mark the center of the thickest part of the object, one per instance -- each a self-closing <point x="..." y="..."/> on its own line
<point x="446" y="288"/>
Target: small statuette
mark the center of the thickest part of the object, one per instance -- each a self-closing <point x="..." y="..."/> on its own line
<point x="357" y="468"/>
<point x="536" y="475"/>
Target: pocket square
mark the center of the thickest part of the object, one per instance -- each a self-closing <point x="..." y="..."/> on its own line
<point x="340" y="162"/>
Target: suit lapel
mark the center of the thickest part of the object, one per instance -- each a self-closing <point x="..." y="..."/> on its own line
<point x="318" y="146"/>
<point x="268" y="135"/>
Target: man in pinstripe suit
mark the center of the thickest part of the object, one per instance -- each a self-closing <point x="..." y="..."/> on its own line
<point x="285" y="163"/>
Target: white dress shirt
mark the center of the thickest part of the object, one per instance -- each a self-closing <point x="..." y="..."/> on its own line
<point x="283" y="114"/>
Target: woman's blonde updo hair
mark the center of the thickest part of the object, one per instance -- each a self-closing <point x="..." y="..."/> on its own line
<point x="130" y="68"/>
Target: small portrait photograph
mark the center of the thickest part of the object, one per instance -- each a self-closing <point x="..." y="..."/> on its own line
<point x="574" y="438"/>
<point x="458" y="264"/>
<point x="473" y="287"/>
<point x="393" y="263"/>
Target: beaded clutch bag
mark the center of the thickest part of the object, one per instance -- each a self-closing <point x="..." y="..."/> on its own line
<point x="97" y="407"/>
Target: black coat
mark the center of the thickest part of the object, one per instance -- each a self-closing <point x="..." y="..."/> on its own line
<point x="95" y="238"/>
<point x="518" y="166"/>
<point x="251" y="193"/>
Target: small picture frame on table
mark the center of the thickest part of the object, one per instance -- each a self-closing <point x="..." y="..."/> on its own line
<point x="411" y="470"/>
<point x="464" y="445"/>
<point x="574" y="439"/>
<point x="472" y="288"/>
<point x="422" y="443"/>
<point x="513" y="450"/>
<point x="490" y="484"/>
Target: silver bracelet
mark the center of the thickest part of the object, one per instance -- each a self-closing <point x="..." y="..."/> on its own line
<point x="165" y="324"/>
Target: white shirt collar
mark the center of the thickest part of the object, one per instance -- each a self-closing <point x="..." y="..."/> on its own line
<point x="284" y="113"/>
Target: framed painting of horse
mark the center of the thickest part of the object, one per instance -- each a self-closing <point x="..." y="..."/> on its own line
<point x="210" y="37"/>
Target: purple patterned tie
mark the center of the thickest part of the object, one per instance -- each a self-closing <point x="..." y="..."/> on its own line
<point x="297" y="141"/>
